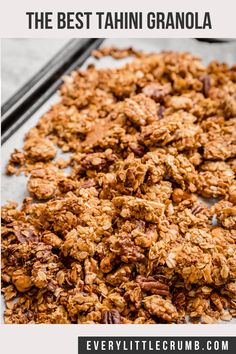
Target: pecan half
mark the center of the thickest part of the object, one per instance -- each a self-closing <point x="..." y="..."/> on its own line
<point x="153" y="284"/>
<point x="25" y="234"/>
<point x="206" y="82"/>
<point x="111" y="317"/>
<point x="129" y="251"/>
<point x="197" y="208"/>
<point x="160" y="112"/>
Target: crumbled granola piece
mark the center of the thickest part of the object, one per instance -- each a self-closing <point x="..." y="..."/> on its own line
<point x="130" y="175"/>
<point x="162" y="308"/>
<point x="140" y="110"/>
<point x="139" y="208"/>
<point x="179" y="102"/>
<point x="76" y="247"/>
<point x="182" y="172"/>
<point x="17" y="160"/>
<point x="43" y="183"/>
<point x="21" y="280"/>
<point x="39" y="149"/>
<point x="178" y="128"/>
<point x="219" y="141"/>
<point x="156" y="91"/>
<point x="226" y="214"/>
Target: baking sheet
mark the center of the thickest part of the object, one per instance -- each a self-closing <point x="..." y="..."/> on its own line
<point x="14" y="188"/>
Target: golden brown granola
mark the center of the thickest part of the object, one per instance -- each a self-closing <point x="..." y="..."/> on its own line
<point x="127" y="235"/>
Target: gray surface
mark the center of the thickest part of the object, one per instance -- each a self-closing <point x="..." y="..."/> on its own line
<point x="22" y="58"/>
<point x="15" y="187"/>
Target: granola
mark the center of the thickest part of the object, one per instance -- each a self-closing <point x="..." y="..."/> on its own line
<point x="142" y="228"/>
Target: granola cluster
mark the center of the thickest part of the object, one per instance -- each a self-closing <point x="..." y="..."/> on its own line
<point x="138" y="224"/>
